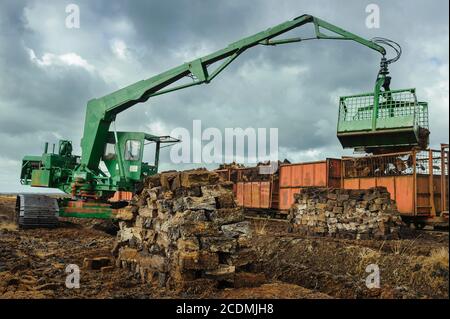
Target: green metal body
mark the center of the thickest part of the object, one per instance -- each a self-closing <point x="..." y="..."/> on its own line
<point x="82" y="176"/>
<point x="124" y="163"/>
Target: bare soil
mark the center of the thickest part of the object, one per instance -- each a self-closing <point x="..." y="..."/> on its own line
<point x="33" y="264"/>
<point x="417" y="266"/>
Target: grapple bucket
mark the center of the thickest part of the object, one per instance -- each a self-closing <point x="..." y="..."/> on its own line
<point x="385" y="121"/>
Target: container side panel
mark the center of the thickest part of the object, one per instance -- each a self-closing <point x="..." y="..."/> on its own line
<point x="367" y="183"/>
<point x="320" y="174"/>
<point x="437" y="193"/>
<point x="247" y="195"/>
<point x="401" y="189"/>
<point x="265" y="195"/>
<point x="405" y="194"/>
<point x="255" y="195"/>
<point x="285" y="176"/>
<point x="308" y="175"/>
<point x="311" y="174"/>
<point x="297" y="175"/>
<point x="423" y="195"/>
<point x="287" y="197"/>
<point x="389" y="183"/>
<point x="240" y="194"/>
<point x="284" y="198"/>
<point x="351" y="183"/>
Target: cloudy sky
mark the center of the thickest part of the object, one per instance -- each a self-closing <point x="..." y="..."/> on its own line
<point x="48" y="72"/>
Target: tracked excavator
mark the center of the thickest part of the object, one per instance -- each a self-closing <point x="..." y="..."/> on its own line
<point x="376" y="121"/>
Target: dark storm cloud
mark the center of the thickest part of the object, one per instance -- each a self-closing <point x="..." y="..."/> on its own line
<point x="48" y="72"/>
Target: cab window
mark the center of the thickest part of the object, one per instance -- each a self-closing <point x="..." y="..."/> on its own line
<point x="149" y="153"/>
<point x="132" y="150"/>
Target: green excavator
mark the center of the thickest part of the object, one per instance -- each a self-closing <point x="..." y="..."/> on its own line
<point x="379" y="120"/>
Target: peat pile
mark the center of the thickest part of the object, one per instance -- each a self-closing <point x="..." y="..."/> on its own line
<point x="343" y="213"/>
<point x="183" y="229"/>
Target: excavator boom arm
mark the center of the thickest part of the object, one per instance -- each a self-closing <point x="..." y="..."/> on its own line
<point x="101" y="112"/>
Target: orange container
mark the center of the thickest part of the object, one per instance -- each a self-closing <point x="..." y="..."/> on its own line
<point x="319" y="174"/>
<point x="416" y="180"/>
<point x="287" y="197"/>
<point x="240" y="194"/>
<point x="254" y="194"/>
<point x="293" y="177"/>
<point x="401" y="189"/>
<point x="256" y="187"/>
<point x="247" y="194"/>
<point x="266" y="195"/>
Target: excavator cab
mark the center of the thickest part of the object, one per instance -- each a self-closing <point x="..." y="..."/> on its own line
<point x="124" y="155"/>
<point x="385" y="121"/>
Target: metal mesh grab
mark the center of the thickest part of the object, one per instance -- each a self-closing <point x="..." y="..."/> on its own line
<point x="392" y="104"/>
<point x="390" y="119"/>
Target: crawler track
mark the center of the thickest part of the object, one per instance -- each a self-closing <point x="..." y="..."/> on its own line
<point x="36" y="211"/>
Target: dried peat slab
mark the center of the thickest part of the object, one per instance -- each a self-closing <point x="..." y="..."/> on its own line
<point x="185" y="228"/>
<point x="344" y="213"/>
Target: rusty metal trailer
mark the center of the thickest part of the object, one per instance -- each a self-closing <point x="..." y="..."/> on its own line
<point x="275" y="193"/>
<point x="253" y="191"/>
<point x="294" y="177"/>
<point x="417" y="181"/>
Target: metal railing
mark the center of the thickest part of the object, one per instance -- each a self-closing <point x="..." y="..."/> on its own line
<point x="392" y="104"/>
<point x="395" y="164"/>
